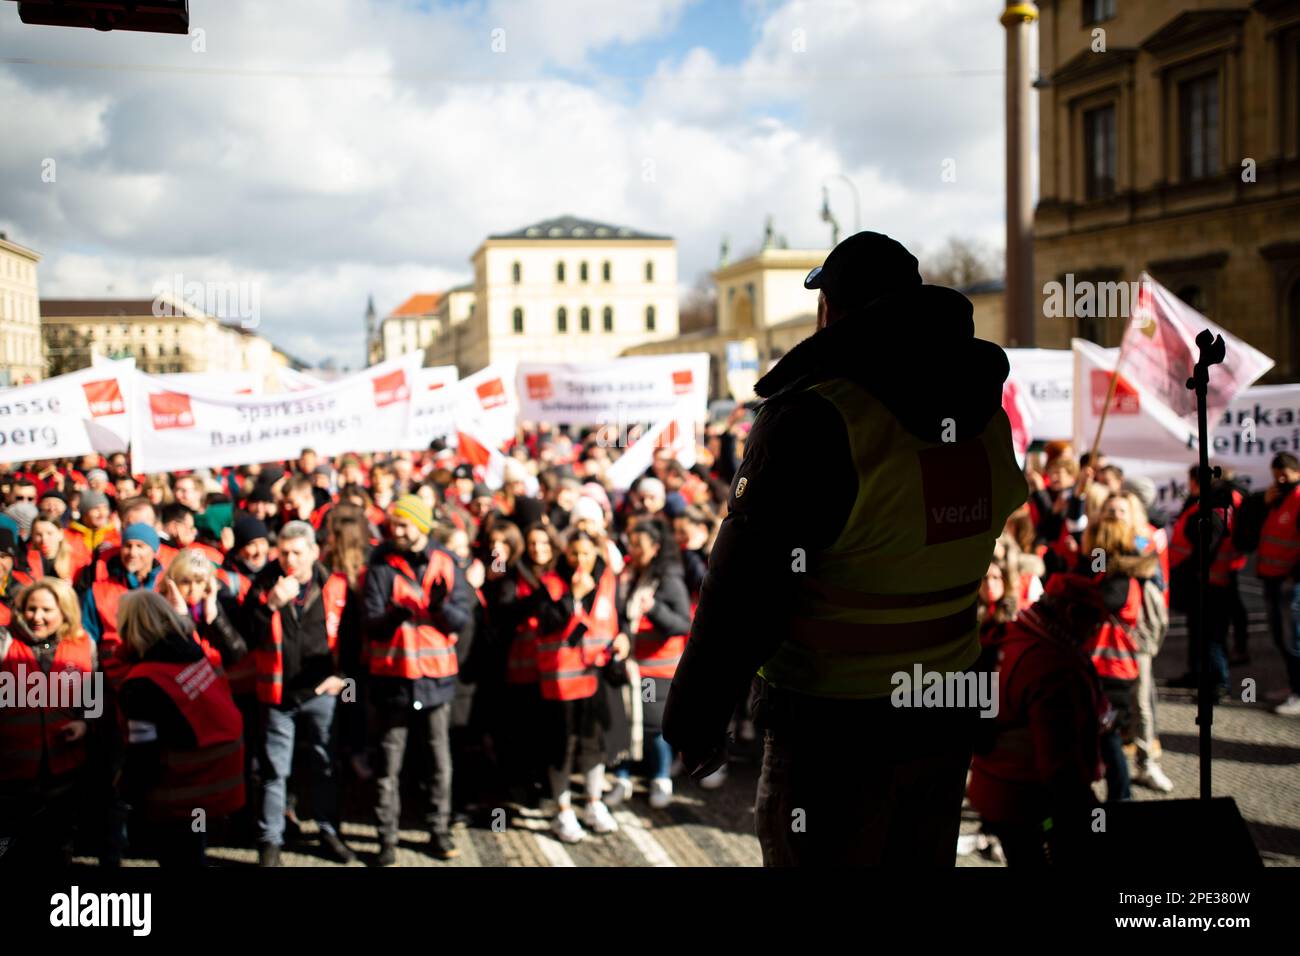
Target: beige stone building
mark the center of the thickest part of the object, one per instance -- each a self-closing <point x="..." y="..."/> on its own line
<point x="411" y="326"/>
<point x="1168" y="142"/>
<point x="564" y="290"/>
<point x="21" y="360"/>
<point x="181" y="339"/>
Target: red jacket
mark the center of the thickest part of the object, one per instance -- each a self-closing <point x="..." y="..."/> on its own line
<point x="1046" y="746"/>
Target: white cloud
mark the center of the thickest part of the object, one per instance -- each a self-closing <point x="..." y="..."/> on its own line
<point x="384" y="143"/>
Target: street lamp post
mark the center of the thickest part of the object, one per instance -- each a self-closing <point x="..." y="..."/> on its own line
<point x="827" y="216"/>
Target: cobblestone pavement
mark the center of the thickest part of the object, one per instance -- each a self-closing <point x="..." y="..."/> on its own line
<point x="1256" y="760"/>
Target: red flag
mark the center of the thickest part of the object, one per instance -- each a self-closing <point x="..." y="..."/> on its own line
<point x="472" y="450"/>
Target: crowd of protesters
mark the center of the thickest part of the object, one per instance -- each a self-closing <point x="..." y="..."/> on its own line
<point x="271" y="634"/>
<point x="271" y="637"/>
<point x="1074" y="609"/>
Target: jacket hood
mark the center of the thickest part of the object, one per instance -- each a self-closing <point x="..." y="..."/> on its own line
<point x="915" y="351"/>
<point x="1134" y="565"/>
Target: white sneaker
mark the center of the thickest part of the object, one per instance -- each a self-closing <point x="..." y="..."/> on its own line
<point x="598" y="818"/>
<point x="566" y="826"/>
<point x="1152" y="776"/>
<point x="1290" y="707"/>
<point x="661" y="792"/>
<point x="621" y="793"/>
<point x="716" y="779"/>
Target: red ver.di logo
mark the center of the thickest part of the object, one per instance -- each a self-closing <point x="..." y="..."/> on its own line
<point x="491" y="393"/>
<point x="171" y="410"/>
<point x="390" y="388"/>
<point x="104" y="398"/>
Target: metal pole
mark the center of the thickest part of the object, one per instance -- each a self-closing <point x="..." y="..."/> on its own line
<point x="1018" y="19"/>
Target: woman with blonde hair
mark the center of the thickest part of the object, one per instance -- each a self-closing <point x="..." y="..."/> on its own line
<point x="50" y="555"/>
<point x="185" y="751"/>
<point x="1110" y="555"/>
<point x="44" y="747"/>
<point x="191" y="587"/>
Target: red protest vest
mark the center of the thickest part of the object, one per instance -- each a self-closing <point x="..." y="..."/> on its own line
<point x="29" y="733"/>
<point x="268" y="662"/>
<point x="1279" y="543"/>
<point x="17" y="579"/>
<point x="416" y="648"/>
<point x="1226" y="560"/>
<point x="658" y="656"/>
<point x="36" y="566"/>
<point x="521" y="660"/>
<point x="241" y="675"/>
<point x="210" y="776"/>
<point x="1113" y="649"/>
<point x="567" y="671"/>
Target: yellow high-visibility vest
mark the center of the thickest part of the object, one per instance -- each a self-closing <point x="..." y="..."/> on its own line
<point x="900" y="584"/>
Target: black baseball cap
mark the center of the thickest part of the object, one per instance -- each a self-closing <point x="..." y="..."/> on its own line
<point x="862" y="268"/>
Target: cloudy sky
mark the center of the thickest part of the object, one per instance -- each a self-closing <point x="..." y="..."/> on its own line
<point x="329" y="149"/>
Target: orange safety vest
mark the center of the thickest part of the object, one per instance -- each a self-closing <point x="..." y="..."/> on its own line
<point x="1113" y="649"/>
<point x="1279" y="542"/>
<point x="658" y="656"/>
<point x="1226" y="559"/>
<point x="521" y="660"/>
<point x="416" y="648"/>
<point x="241" y="675"/>
<point x="567" y="670"/>
<point x="29" y="734"/>
<point x="269" y="661"/>
<point x="210" y="776"/>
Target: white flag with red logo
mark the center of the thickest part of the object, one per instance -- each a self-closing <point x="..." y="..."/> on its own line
<point x="1021" y="413"/>
<point x="1160" y="351"/>
<point x="68" y="415"/>
<point x="676" y="434"/>
<point x="490" y="464"/>
<point x="1138" y="424"/>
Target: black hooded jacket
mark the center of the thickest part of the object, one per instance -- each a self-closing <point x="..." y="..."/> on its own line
<point x="916" y="352"/>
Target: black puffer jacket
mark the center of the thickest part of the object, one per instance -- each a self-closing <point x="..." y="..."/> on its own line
<point x="916" y="352"/>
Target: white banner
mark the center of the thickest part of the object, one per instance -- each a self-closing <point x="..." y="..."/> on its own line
<point x="644" y="388"/>
<point x="214" y="383"/>
<point x="488" y="405"/>
<point x="290" y="380"/>
<point x="368" y="411"/>
<point x="68" y="415"/>
<point x="1045" y="378"/>
<point x="677" y="434"/>
<point x="435" y="396"/>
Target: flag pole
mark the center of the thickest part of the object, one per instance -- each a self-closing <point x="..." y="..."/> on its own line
<point x="1110" y="396"/>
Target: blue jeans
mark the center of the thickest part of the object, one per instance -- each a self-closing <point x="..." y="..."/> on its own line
<point x="661" y="759"/>
<point x="1117" y="774"/>
<point x="278" y="728"/>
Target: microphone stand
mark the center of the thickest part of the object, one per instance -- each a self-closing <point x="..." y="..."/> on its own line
<point x="1212" y="352"/>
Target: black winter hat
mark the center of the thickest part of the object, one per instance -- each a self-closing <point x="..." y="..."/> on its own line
<point x="247" y="528"/>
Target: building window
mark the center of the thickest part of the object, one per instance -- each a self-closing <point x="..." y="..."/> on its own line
<point x="1099" y="148"/>
<point x="519" y="321"/>
<point x="561" y="319"/>
<point x="649" y="270"/>
<point x="176" y="350"/>
<point x="607" y="319"/>
<point x="605" y="270"/>
<point x="1193" y="296"/>
<point x="584" y="319"/>
<point x="582" y="272"/>
<point x="1198" y="111"/>
<point x="559" y="272"/>
<point x="162" y="350"/>
<point x="516" y="273"/>
<point x="649" y="318"/>
<point x="1095" y="11"/>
